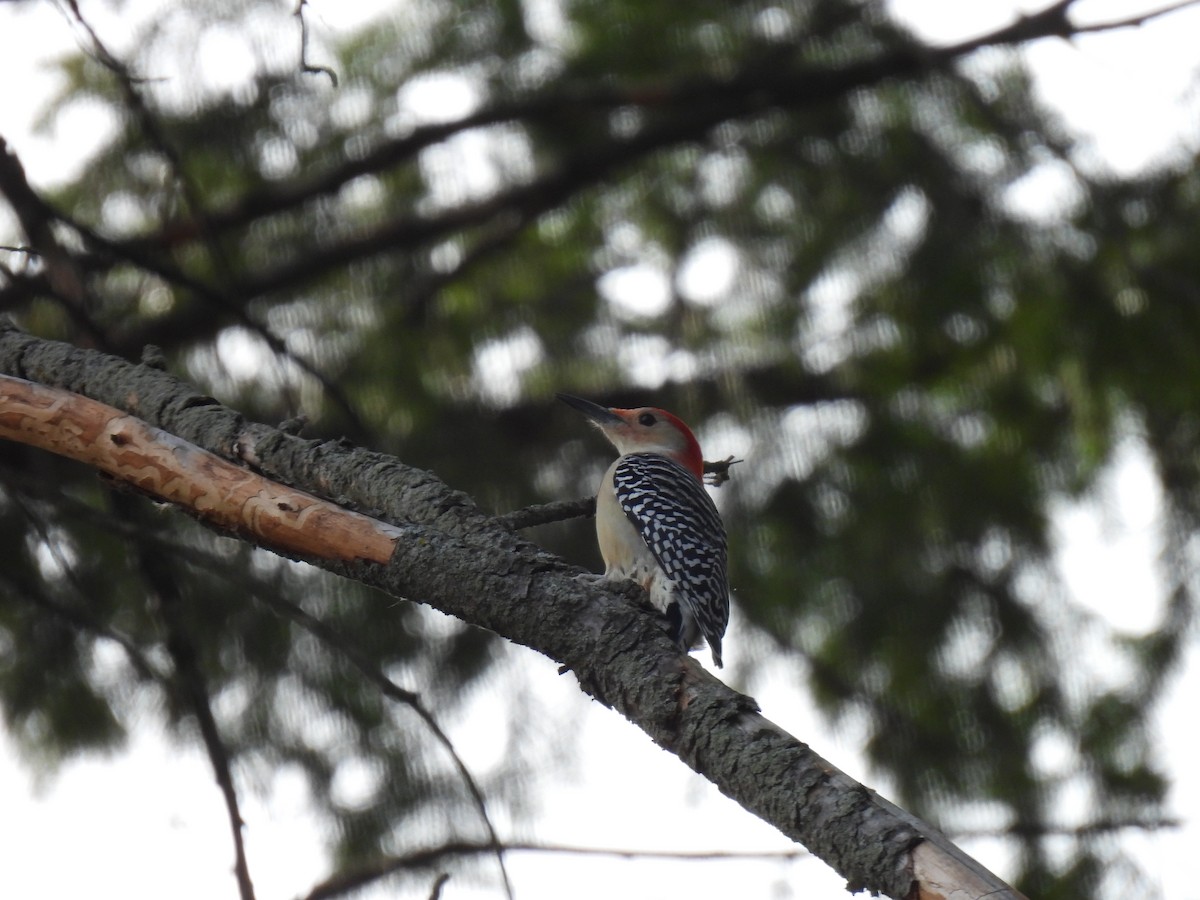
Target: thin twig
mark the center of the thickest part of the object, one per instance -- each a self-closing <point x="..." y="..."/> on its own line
<point x="1134" y="21"/>
<point x="1034" y="829"/>
<point x="163" y="586"/>
<point x="782" y="87"/>
<point x="562" y="510"/>
<point x="222" y="299"/>
<point x="699" y="105"/>
<point x="545" y="513"/>
<point x="130" y="528"/>
<point x="345" y="882"/>
<point x="305" y="66"/>
<point x="77" y="616"/>
<point x="438" y="883"/>
<point x="333" y="639"/>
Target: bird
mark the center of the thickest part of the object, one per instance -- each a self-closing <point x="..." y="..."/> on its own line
<point x="656" y="523"/>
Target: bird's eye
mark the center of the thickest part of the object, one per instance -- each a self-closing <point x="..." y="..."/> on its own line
<point x="647" y="419"/>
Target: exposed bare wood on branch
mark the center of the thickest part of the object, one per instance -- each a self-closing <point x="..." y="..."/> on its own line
<point x="219" y="493"/>
<point x="456" y="558"/>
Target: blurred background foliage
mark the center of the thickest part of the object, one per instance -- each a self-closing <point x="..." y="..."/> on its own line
<point x="912" y="308"/>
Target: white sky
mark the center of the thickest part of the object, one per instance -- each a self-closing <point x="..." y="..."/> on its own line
<point x="149" y="823"/>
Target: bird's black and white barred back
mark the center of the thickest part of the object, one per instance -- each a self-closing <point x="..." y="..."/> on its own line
<point x="679" y="522"/>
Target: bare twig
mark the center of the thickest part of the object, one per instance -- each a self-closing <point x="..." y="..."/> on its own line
<point x="191" y="682"/>
<point x="222" y="299"/>
<point x="1134" y="21"/>
<point x="545" y="513"/>
<point x="435" y="892"/>
<point x="346" y="882"/>
<point x="130" y="526"/>
<point x="777" y="86"/>
<point x="695" y="106"/>
<point x="342" y="645"/>
<point x="1088" y="829"/>
<point x="305" y="66"/>
<point x="85" y="623"/>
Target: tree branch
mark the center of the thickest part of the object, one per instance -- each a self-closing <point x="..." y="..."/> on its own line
<point x="758" y="88"/>
<point x="191" y="688"/>
<point x="692" y="108"/>
<point x="85" y="622"/>
<point x="140" y="533"/>
<point x="65" y="270"/>
<point x="307" y="67"/>
<point x="546" y="513"/>
<point x="435" y="892"/>
<point x="451" y="555"/>
<point x="347" y="882"/>
<point x="1087" y="829"/>
<point x="340" y="643"/>
<point x="1135" y="21"/>
<point x="716" y="474"/>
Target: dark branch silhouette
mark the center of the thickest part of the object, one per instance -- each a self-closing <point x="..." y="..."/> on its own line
<point x="686" y="110"/>
<point x="307" y="67"/>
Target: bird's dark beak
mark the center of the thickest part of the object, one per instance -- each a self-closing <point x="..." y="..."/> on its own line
<point x="601" y="415"/>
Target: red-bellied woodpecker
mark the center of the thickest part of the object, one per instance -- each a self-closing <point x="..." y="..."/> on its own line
<point x="656" y="523"/>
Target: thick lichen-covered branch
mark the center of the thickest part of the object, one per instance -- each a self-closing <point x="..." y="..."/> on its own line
<point x="452" y="555"/>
